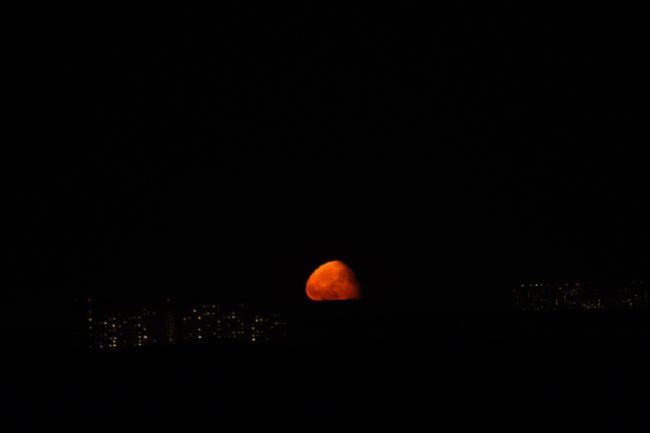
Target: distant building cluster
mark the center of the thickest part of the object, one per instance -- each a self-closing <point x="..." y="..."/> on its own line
<point x="232" y="323"/>
<point x="107" y="330"/>
<point x="109" y="327"/>
<point x="547" y="296"/>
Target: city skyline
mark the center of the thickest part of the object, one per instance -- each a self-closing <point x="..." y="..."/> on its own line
<point x="243" y="216"/>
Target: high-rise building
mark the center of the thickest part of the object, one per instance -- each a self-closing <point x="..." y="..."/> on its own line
<point x="111" y="327"/>
<point x="549" y="296"/>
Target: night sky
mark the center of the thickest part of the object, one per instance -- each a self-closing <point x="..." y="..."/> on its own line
<point x="445" y="155"/>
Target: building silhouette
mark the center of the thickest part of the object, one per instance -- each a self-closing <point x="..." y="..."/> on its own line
<point x="577" y="295"/>
<point x="115" y="326"/>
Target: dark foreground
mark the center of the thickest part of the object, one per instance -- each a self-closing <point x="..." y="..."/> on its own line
<point x="515" y="373"/>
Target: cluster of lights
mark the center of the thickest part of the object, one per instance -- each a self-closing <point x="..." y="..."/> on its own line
<point x="208" y="321"/>
<point x="584" y="296"/>
<point x="120" y="330"/>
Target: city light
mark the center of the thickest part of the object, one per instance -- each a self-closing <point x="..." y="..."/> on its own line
<point x="580" y="295"/>
<point x="170" y="324"/>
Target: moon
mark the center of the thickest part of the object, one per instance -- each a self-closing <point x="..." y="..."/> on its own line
<point x="333" y="281"/>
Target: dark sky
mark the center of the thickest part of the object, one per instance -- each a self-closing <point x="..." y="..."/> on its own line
<point x="443" y="154"/>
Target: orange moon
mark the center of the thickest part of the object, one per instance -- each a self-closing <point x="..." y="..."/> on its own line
<point x="333" y="281"/>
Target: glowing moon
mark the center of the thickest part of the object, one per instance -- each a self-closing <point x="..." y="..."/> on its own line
<point x="333" y="281"/>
